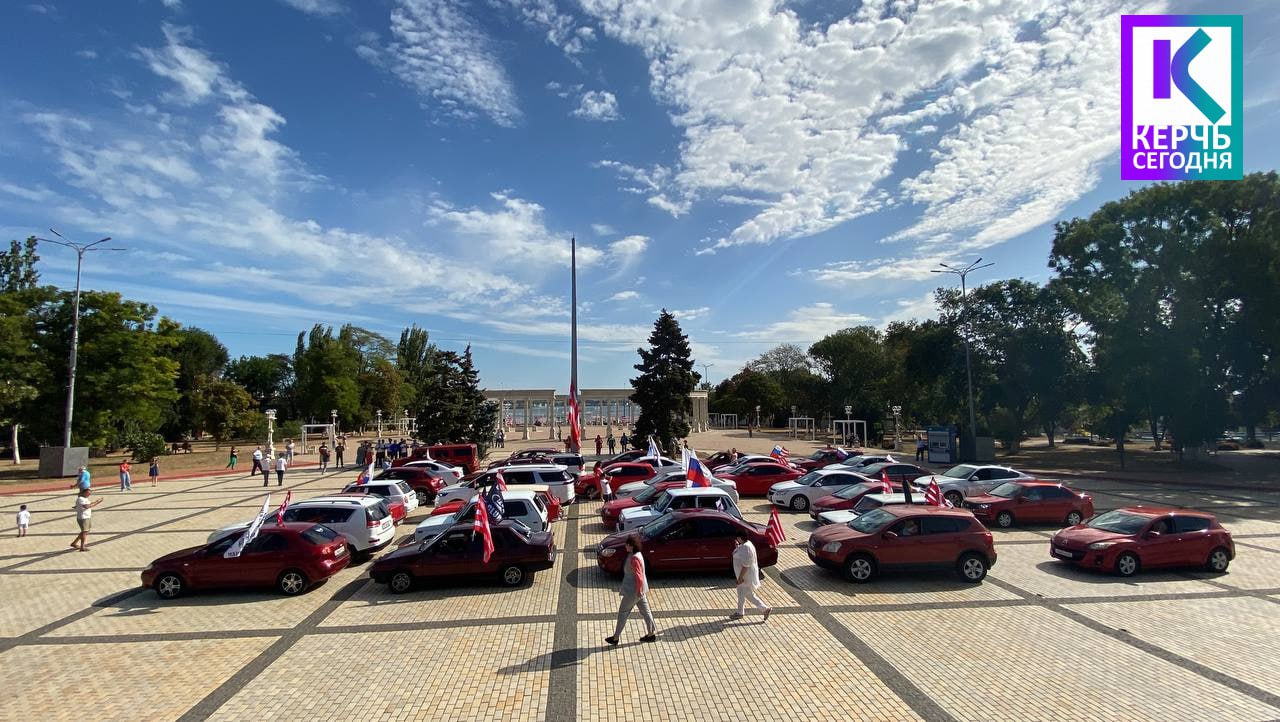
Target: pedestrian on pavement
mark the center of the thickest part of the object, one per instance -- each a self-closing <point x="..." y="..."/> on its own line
<point x="266" y="469"/>
<point x="84" y="515"/>
<point x="502" y="439"/>
<point x="24" y="520"/>
<point x="337" y="453"/>
<point x="599" y="444"/>
<point x="635" y="593"/>
<point x="288" y="450"/>
<point x="625" y="441"/>
<point x="281" y="464"/>
<point x="126" y="479"/>
<point x="154" y="471"/>
<point x="324" y="458"/>
<point x="746" y="569"/>
<point x="361" y="455"/>
<point x="82" y="479"/>
<point x="232" y="457"/>
<point x="921" y="447"/>
<point x="749" y="431"/>
<point x="257" y="461"/>
<point x="381" y="456"/>
<point x="612" y="442"/>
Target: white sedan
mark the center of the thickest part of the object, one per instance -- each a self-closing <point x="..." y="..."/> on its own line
<point x="672" y="475"/>
<point x="798" y="495"/>
<point x="864" y="505"/>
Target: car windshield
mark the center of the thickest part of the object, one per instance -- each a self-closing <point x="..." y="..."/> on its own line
<point x="959" y="472"/>
<point x="866" y="504"/>
<point x="659" y="525"/>
<point x="1120" y="522"/>
<point x="872" y="521"/>
<point x="662" y="503"/>
<point x="851" y="491"/>
<point x="1005" y="491"/>
<point x="817" y="455"/>
<point x="813" y="478"/>
<point x="874" y="469"/>
<point x="648" y="494"/>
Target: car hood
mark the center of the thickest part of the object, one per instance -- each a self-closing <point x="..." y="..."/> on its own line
<point x="828" y="502"/>
<point x="924" y="481"/>
<point x="784" y="486"/>
<point x="635" y="511"/>
<point x="435" y="522"/>
<point x="986" y="499"/>
<point x="833" y="532"/>
<point x="617" y="506"/>
<point x="397" y="556"/>
<point x="1081" y="534"/>
<point x="180" y="554"/>
<point x="840" y="516"/>
<point x="632" y="487"/>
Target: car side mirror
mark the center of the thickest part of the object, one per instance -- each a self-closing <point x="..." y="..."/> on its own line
<point x="890" y="535"/>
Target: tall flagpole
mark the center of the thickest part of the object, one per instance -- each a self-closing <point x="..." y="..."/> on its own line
<point x="573" y="327"/>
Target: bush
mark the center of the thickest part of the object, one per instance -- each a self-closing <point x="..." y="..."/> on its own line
<point x="144" y="445"/>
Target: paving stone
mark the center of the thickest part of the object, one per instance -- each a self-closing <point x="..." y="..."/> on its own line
<point x="1031" y="568"/>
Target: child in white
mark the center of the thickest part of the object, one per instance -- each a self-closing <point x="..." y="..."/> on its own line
<point x="24" y="520"/>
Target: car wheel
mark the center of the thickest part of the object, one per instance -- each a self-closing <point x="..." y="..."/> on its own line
<point x="955" y="497"/>
<point x="1074" y="518"/>
<point x="1219" y="560"/>
<point x="512" y="575"/>
<point x="1004" y="520"/>
<point x="400" y="582"/>
<point x="860" y="568"/>
<point x="1127" y="564"/>
<point x="800" y="502"/>
<point x="424" y="499"/>
<point x="168" y="586"/>
<point x="972" y="567"/>
<point x="292" y="582"/>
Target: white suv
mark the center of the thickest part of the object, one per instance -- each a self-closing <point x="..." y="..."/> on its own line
<point x="363" y="520"/>
<point x="392" y="489"/>
<point x="523" y="506"/>
<point x="557" y="478"/>
<point x="675" y="500"/>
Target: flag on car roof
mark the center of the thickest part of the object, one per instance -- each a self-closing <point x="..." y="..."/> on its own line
<point x="288" y="495"/>
<point x="695" y="474"/>
<point x="884" y="479"/>
<point x="841" y="453"/>
<point x="249" y="534"/>
<point x="499" y="480"/>
<point x="774" y="529"/>
<point x="934" y="497"/>
<point x="481" y="526"/>
<point x="495" y="505"/>
<point x="781" y="454"/>
<point x="365" y="476"/>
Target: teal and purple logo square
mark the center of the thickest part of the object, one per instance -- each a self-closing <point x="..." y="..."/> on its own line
<point x="1182" y="97"/>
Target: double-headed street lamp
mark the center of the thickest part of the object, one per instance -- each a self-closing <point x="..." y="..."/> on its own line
<point x="964" y="296"/>
<point x="271" y="430"/>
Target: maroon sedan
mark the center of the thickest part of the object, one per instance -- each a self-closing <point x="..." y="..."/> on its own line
<point x="688" y="541"/>
<point x="459" y="552"/>
<point x="755" y="479"/>
<point x="849" y="496"/>
<point x="291" y="557"/>
<point x="821" y="459"/>
<point x="1126" y="540"/>
<point x="1022" y="502"/>
<point x="526" y="456"/>
<point x="905" y="536"/>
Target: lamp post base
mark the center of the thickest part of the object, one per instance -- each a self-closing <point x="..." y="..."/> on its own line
<point x="59" y="461"/>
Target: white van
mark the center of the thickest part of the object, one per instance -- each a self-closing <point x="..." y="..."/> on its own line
<point x="363" y="520"/>
<point x="523" y="506"/>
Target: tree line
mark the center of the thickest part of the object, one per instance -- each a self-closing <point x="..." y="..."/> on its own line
<point x="142" y="380"/>
<point x="1162" y="312"/>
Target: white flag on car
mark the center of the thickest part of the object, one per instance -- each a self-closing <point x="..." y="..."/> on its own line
<point x="249" y="534"/>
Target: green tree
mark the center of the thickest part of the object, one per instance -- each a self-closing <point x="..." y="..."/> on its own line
<point x="22" y="372"/>
<point x="223" y="408"/>
<point x="741" y="393"/>
<point x="18" y="266"/>
<point x="857" y="368"/>
<point x="326" y="370"/>
<point x="268" y="379"/>
<point x="200" y="356"/>
<point x="666" y="379"/>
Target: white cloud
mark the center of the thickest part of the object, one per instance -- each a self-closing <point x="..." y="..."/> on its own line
<point x="629" y="249"/>
<point x="690" y="314"/>
<point x="197" y="75"/>
<point x="600" y="105"/>
<point x="444" y="55"/>
<point x="87" y="54"/>
<point x="514" y="233"/>
<point x="806" y="324"/>
<point x="172" y="4"/>
<point x="560" y="28"/>
<point x="316" y="7"/>
<point x="918" y="308"/>
<point x="603" y="229"/>
<point x="624" y="296"/>
<point x="857" y="273"/>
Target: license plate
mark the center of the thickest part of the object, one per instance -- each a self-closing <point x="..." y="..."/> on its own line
<point x="339" y="551"/>
<point x="1064" y="553"/>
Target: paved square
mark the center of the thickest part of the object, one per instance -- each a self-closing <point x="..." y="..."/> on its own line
<point x="1036" y="641"/>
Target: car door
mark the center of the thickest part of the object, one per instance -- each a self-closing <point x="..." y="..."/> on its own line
<point x="674" y="550"/>
<point x="209" y="569"/>
<point x="714" y="544"/>
<point x="1029" y="505"/>
<point x="899" y="543"/>
<point x="828" y="485"/>
<point x="1058" y="502"/>
<point x="940" y="540"/>
<point x="1193" y="541"/>
<point x="1160" y="549"/>
<point x="262" y="559"/>
<point x="446" y="557"/>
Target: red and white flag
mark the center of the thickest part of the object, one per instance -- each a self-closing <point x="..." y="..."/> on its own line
<point x="365" y="476"/>
<point x="500" y="481"/>
<point x="884" y="479"/>
<point x="481" y="526"/>
<point x="934" y="497"/>
<point x="288" y="495"/>
<point x="575" y="426"/>
<point x="774" y="529"/>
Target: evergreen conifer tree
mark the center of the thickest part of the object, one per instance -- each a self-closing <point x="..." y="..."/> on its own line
<point x="665" y="381"/>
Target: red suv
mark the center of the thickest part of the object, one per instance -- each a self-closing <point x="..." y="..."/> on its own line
<point x="906" y="536"/>
<point x="290" y="556"/>
<point x="1021" y="502"/>
<point x="1125" y="540"/>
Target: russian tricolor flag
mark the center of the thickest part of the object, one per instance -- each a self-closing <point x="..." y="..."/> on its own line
<point x="695" y="474"/>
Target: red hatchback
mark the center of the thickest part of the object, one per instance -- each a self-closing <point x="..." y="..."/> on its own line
<point x="849" y="496"/>
<point x="690" y="541"/>
<point x="459" y="552"/>
<point x="755" y="480"/>
<point x="1022" y="502"/>
<point x="821" y="459"/>
<point x="290" y="557"/>
<point x="1126" y="540"/>
<point x="906" y="536"/>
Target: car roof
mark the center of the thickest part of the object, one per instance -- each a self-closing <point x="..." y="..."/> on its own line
<point x="695" y="491"/>
<point x="890" y="498"/>
<point x="1162" y="510"/>
<point x="532" y="467"/>
<point x="835" y="470"/>
<point x="709" y="514"/>
<point x="467" y="525"/>
<point x="340" y="499"/>
<point x="906" y="509"/>
<point x="1035" y="482"/>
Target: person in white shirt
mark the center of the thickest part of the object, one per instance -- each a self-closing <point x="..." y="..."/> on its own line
<point x="257" y="461"/>
<point x="24" y="520"/>
<point x="84" y="517"/>
<point x="746" y="569"/>
<point x="281" y="464"/>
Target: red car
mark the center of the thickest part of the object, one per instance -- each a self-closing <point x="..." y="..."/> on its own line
<point x="820" y="459"/>
<point x="849" y="496"/>
<point x="617" y="475"/>
<point x="1126" y="540"/>
<point x="755" y="479"/>
<point x="419" y="479"/>
<point x="690" y="541"/>
<point x="290" y="557"/>
<point x="1024" y="502"/>
<point x="460" y="553"/>
<point x="526" y="456"/>
<point x="899" y="472"/>
<point x="905" y="536"/>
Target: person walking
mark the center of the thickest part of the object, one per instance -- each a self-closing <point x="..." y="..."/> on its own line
<point x="324" y="458"/>
<point x="288" y="450"/>
<point x="502" y="439"/>
<point x="84" y="517"/>
<point x="281" y="464"/>
<point x="921" y="447"/>
<point x="266" y="469"/>
<point x="599" y="445"/>
<point x="232" y="457"/>
<point x="257" y="461"/>
<point x="337" y="453"/>
<point x="126" y="479"/>
<point x="24" y="520"/>
<point x="625" y="441"/>
<point x="635" y="593"/>
<point x="746" y="569"/>
<point x="83" y="479"/>
<point x="154" y="471"/>
<point x="611" y="443"/>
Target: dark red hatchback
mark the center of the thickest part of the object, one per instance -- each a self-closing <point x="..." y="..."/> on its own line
<point x="291" y="557"/>
<point x="459" y="552"/>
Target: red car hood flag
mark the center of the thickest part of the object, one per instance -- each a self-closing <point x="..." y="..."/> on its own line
<point x="884" y="479"/>
<point x="481" y="526"/>
<point x="774" y="529"/>
<point x="500" y="481"/>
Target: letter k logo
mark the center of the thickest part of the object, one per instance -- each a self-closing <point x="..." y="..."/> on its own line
<point x="1165" y="69"/>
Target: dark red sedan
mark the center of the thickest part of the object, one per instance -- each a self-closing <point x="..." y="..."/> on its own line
<point x="459" y="552"/>
<point x="616" y="475"/>
<point x="524" y="456"/>
<point x="905" y="536"/>
<point x="1026" y="502"/>
<point x="821" y="459"/>
<point x="1126" y="540"/>
<point x="849" y="496"/>
<point x="290" y="557"/>
<point x="899" y="472"/>
<point x="688" y="541"/>
<point x="755" y="479"/>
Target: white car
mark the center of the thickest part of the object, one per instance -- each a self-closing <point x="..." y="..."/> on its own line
<point x="674" y="500"/>
<point x="798" y="495"/>
<point x="854" y="463"/>
<point x="743" y="460"/>
<point x="363" y="520"/>
<point x="660" y="463"/>
<point x="635" y="487"/>
<point x="438" y="469"/>
<point x="864" y="505"/>
<point x="555" y="476"/>
<point x="968" y="480"/>
<point x="523" y="506"/>
<point x="392" y="489"/>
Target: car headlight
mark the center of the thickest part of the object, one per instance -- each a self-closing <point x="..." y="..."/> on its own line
<point x="831" y="547"/>
<point x="1100" y="545"/>
<point x="984" y="506"/>
<point x="608" y="552"/>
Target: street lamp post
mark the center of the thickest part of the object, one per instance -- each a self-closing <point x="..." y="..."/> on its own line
<point x="706" y="374"/>
<point x="848" y="414"/>
<point x="757" y="416"/>
<point x="964" y="295"/>
<point x="271" y="430"/>
<point x="80" y="249"/>
<point x="794" y="429"/>
<point x="897" y="433"/>
<point x="379" y="415"/>
<point x="333" y="426"/>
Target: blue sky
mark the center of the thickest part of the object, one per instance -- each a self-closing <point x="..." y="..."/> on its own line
<point x="772" y="171"/>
